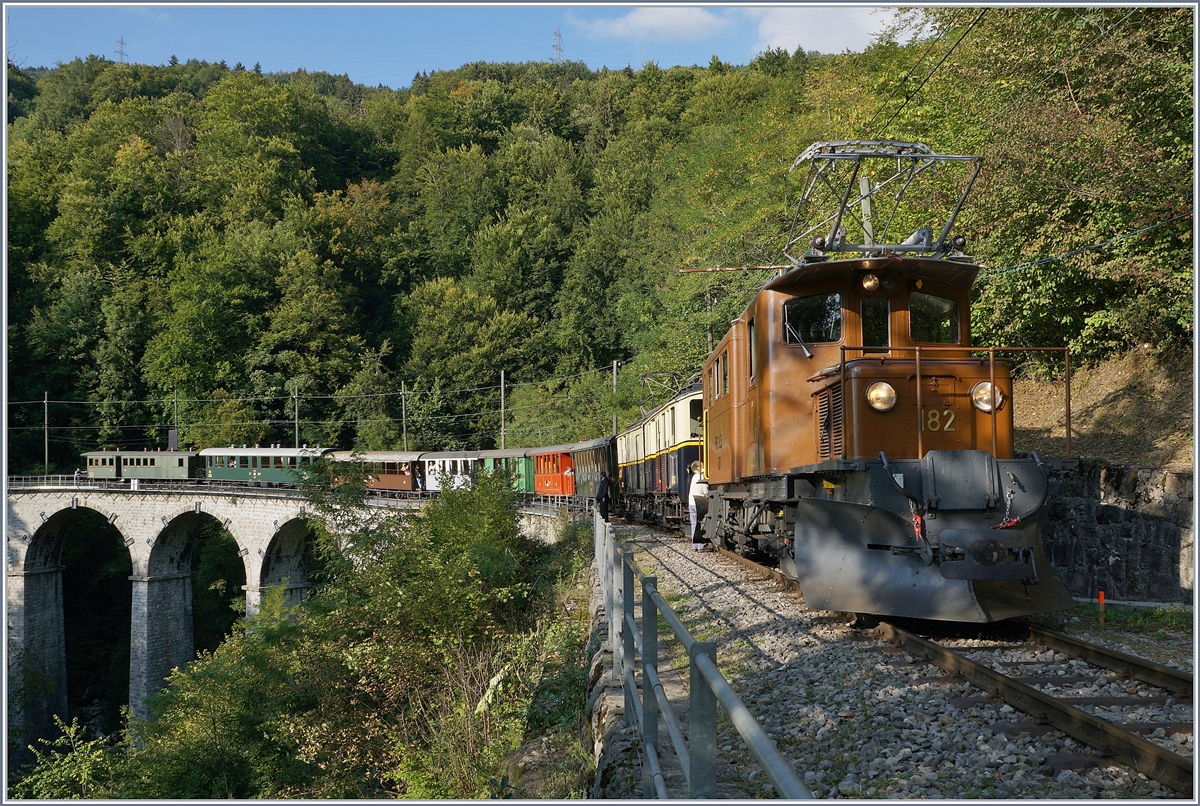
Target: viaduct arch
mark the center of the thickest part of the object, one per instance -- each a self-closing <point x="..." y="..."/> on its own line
<point x="159" y="530"/>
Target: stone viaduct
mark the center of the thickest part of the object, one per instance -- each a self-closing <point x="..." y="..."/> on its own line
<point x="159" y="524"/>
<point x="159" y="529"/>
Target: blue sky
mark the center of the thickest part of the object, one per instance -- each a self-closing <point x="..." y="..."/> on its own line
<point x="388" y="44"/>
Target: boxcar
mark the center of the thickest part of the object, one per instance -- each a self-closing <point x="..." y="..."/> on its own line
<point x="553" y="470"/>
<point x="388" y="470"/>
<point x="272" y="465"/>
<point x="143" y="464"/>
<point x="515" y="461"/>
<point x="453" y="465"/>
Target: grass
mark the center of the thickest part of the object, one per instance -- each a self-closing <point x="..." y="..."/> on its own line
<point x="1157" y="619"/>
<point x="1161" y="621"/>
<point x="552" y="762"/>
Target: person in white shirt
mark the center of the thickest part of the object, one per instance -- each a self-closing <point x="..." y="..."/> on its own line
<point x="697" y="493"/>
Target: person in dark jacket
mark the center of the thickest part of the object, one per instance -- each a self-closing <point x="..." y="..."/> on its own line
<point x="602" y="495"/>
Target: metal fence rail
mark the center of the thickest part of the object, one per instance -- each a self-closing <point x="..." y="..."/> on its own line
<point x="706" y="685"/>
<point x="575" y="507"/>
<point x="572" y="505"/>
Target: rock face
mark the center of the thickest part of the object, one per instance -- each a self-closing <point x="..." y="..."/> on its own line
<point x="1124" y="531"/>
<point x="617" y="773"/>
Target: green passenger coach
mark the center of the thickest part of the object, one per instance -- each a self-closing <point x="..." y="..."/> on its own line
<point x="273" y="465"/>
<point x="144" y="464"/>
<point x="513" y="460"/>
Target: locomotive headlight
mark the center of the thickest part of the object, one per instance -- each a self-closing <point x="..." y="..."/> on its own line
<point x="870" y="282"/>
<point x="987" y="398"/>
<point x="881" y="396"/>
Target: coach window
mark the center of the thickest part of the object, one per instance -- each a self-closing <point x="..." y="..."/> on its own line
<point x="725" y="373"/>
<point x="813" y="320"/>
<point x="875" y="322"/>
<point x="932" y="319"/>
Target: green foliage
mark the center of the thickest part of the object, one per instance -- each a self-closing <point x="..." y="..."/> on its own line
<point x="211" y="232"/>
<point x="428" y="650"/>
<point x="463" y="335"/>
<point x="1144" y="618"/>
<point x="217" y="585"/>
<point x="71" y="767"/>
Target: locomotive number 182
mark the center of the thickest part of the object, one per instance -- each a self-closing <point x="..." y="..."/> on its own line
<point x="938" y="420"/>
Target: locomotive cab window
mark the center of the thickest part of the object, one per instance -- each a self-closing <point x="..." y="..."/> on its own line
<point x="932" y="319"/>
<point x="813" y="320"/>
<point x="875" y="331"/>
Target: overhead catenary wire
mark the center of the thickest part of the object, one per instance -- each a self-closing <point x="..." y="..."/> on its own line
<point x="267" y="398"/>
<point x="586" y="396"/>
<point x="1058" y="69"/>
<point x="1043" y="261"/>
<point x="913" y="94"/>
<point x="900" y="84"/>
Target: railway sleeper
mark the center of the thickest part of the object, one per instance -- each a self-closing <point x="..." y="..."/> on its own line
<point x="1108" y="739"/>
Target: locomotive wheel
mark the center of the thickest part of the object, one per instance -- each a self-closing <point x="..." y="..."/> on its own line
<point x="862" y="621"/>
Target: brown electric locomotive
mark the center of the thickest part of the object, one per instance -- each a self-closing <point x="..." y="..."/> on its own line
<point x="853" y="433"/>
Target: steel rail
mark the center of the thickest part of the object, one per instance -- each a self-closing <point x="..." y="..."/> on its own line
<point x="1156" y="762"/>
<point x="1156" y="674"/>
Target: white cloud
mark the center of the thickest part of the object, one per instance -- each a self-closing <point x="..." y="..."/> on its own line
<point x="660" y="23"/>
<point x="828" y="29"/>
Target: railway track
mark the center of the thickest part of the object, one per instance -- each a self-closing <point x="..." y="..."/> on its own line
<point x="1124" y="707"/>
<point x="1052" y="698"/>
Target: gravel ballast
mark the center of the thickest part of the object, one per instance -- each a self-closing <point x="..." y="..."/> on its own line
<point x="858" y="718"/>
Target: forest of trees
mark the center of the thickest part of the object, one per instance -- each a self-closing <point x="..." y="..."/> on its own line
<point x="215" y="245"/>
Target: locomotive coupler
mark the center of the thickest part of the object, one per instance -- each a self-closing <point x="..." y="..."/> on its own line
<point x="986" y="554"/>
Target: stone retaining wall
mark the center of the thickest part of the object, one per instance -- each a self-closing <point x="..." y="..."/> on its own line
<point x="617" y="772"/>
<point x="1124" y="531"/>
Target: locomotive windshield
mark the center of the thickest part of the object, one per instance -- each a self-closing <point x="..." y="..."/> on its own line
<point x="932" y="319"/>
<point x="813" y="320"/>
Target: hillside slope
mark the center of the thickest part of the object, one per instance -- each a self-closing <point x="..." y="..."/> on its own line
<point x="1135" y="409"/>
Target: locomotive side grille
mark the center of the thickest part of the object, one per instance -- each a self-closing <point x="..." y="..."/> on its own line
<point x="829" y="422"/>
